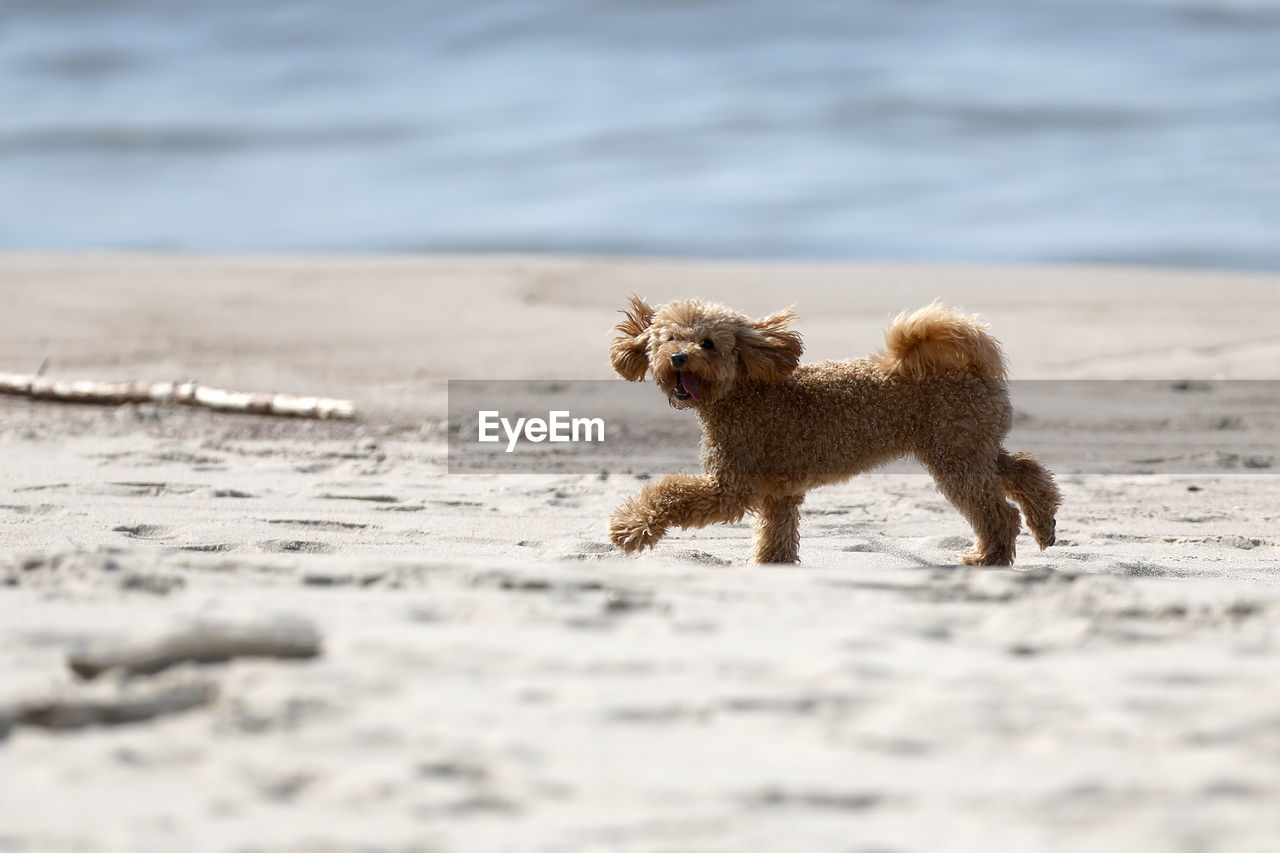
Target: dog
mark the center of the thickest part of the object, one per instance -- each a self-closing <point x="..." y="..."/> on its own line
<point x="773" y="428"/>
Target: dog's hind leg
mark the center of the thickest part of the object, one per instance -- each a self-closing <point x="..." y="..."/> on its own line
<point x="1024" y="479"/>
<point x="677" y="500"/>
<point x="778" y="529"/>
<point x="975" y="489"/>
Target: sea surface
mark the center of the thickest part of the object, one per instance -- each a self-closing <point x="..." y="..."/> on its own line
<point x="1130" y="131"/>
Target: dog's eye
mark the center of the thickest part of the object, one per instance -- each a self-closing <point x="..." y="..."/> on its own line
<point x="708" y="344"/>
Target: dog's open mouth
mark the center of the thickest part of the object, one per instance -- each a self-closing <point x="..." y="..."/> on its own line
<point x="687" y="387"/>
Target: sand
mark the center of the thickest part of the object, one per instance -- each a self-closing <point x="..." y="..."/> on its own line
<point x="489" y="674"/>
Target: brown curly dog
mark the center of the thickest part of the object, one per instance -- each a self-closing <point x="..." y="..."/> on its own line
<point x="773" y="429"/>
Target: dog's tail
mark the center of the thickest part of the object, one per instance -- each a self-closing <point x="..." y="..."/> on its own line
<point x="937" y="340"/>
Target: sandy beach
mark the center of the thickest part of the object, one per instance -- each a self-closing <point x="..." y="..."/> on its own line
<point x="476" y="668"/>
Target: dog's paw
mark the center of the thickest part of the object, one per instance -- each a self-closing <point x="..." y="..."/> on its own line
<point x="1047" y="534"/>
<point x="993" y="557"/>
<point x="631" y="529"/>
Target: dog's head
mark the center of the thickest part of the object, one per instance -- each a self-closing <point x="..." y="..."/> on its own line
<point x="699" y="350"/>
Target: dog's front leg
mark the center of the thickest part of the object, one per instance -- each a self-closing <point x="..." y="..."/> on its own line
<point x="679" y="500"/>
<point x="778" y="529"/>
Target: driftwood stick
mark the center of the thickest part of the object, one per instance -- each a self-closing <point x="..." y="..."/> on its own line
<point x="199" y="644"/>
<point x="131" y="706"/>
<point x="188" y="393"/>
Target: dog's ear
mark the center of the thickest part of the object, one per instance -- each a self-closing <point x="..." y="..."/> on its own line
<point x="767" y="349"/>
<point x="629" y="352"/>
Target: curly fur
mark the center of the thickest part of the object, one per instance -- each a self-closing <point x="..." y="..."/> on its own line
<point x="773" y="428"/>
<point x="936" y="340"/>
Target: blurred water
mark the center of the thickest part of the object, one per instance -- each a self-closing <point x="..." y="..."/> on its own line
<point x="1010" y="130"/>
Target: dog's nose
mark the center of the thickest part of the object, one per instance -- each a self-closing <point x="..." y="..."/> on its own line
<point x="679" y="359"/>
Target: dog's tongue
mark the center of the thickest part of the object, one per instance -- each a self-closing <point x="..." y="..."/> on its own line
<point x="691" y="387"/>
